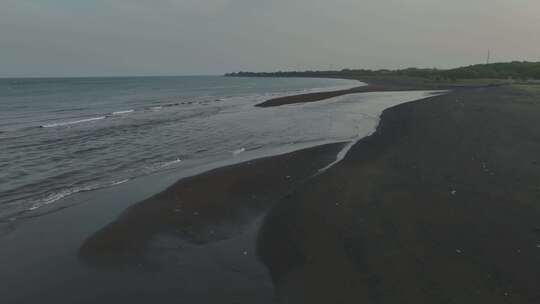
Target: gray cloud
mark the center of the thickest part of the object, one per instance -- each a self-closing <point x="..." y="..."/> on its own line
<point x="170" y="37"/>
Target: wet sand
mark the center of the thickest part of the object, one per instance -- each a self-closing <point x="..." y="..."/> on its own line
<point x="440" y="205"/>
<point x="208" y="208"/>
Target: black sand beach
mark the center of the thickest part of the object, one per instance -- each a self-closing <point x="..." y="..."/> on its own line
<point x="440" y="205"/>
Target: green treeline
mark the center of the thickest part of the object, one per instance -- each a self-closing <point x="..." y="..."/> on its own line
<point x="510" y="70"/>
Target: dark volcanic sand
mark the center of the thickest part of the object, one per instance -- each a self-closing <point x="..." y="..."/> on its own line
<point x="203" y="209"/>
<point x="440" y="205"/>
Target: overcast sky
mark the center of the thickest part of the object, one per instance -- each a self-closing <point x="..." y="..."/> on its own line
<point x="187" y="37"/>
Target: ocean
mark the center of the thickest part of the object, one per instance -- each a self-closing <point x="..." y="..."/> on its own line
<point x="60" y="136"/>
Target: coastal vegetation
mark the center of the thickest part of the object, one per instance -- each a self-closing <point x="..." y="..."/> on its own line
<point x="516" y="70"/>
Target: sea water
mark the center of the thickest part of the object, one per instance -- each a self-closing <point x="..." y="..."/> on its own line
<point x="59" y="137"/>
<point x="63" y="136"/>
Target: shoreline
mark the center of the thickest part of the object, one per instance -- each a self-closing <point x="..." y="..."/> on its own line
<point x="187" y="211"/>
<point x="437" y="205"/>
<point x="240" y="192"/>
<point x="111" y="243"/>
<point x="372" y="85"/>
<point x="119" y="250"/>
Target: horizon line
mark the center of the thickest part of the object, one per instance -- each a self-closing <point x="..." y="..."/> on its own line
<point x="105" y="76"/>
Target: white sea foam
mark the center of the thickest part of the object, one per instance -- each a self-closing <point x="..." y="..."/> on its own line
<point x="55" y="197"/>
<point x="52" y="198"/>
<point x="67" y="123"/>
<point x="170" y="163"/>
<point x="237" y="152"/>
<point x="123" y="112"/>
<point x="120" y="182"/>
